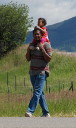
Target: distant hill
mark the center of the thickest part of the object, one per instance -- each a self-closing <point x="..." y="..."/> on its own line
<point x="62" y="35"/>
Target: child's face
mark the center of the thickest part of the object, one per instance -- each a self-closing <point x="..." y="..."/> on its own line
<point x="40" y="23"/>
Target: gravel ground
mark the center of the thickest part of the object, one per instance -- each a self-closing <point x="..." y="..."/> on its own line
<point x="37" y="122"/>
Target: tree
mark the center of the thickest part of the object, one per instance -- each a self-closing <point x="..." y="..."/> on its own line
<point x="14" y="25"/>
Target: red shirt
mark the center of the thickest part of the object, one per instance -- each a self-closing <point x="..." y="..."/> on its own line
<point x="46" y="33"/>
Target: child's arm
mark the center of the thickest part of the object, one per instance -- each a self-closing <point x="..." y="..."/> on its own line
<point x="43" y="30"/>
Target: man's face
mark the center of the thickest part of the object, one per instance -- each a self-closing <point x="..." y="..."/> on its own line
<point x="37" y="35"/>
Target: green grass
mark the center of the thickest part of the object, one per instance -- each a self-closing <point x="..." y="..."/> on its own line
<point x="62" y="72"/>
<point x="61" y="107"/>
<point x="18" y="106"/>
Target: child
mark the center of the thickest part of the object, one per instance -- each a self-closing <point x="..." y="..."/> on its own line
<point x="41" y="26"/>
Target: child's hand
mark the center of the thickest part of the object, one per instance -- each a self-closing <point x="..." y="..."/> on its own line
<point x="37" y="27"/>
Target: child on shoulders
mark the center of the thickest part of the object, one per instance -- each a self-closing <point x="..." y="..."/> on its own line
<point x="41" y="26"/>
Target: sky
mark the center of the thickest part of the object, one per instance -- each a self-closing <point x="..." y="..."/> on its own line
<point x="53" y="11"/>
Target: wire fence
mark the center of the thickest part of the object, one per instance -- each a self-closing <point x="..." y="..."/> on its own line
<point x="14" y="92"/>
<point x="23" y="86"/>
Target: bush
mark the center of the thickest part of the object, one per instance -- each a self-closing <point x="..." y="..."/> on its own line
<point x="14" y="25"/>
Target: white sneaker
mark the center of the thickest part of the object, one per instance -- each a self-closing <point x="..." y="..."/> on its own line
<point x="28" y="114"/>
<point x="47" y="115"/>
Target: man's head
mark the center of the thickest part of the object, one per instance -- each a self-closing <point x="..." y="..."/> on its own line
<point x="37" y="34"/>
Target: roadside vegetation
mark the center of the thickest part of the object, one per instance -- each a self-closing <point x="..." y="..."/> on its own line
<point x="16" y="89"/>
<point x="14" y="26"/>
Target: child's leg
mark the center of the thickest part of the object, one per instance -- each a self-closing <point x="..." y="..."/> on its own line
<point x="47" y="40"/>
<point x="44" y="39"/>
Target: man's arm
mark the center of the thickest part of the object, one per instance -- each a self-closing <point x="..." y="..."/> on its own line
<point x="46" y="56"/>
<point x="46" y="53"/>
<point x="28" y="56"/>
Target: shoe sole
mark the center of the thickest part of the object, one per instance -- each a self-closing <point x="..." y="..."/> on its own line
<point x="28" y="115"/>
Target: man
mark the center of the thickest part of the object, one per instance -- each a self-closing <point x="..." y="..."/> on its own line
<point x="39" y="56"/>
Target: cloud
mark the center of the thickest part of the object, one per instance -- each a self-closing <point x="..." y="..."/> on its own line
<point x="53" y="10"/>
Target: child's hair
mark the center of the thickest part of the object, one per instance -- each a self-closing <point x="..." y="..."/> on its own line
<point x="43" y="21"/>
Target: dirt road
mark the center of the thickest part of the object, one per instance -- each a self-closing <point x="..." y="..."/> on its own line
<point x="37" y="122"/>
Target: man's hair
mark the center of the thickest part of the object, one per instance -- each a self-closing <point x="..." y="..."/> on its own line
<point x="43" y="21"/>
<point x="36" y="29"/>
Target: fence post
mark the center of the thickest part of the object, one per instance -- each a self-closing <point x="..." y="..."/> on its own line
<point x="72" y="87"/>
<point x="15" y="83"/>
<point x="59" y="86"/>
<point x="7" y="79"/>
<point x="49" y="90"/>
<point x="8" y="94"/>
<point x="63" y="86"/>
<point x="24" y="82"/>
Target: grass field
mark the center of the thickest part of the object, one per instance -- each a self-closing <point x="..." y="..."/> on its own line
<point x="59" y="105"/>
<point x="16" y="90"/>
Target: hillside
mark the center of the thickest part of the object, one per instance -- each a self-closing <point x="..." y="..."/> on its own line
<point x="62" y="35"/>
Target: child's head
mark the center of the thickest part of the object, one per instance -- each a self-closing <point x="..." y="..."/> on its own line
<point x="41" y="22"/>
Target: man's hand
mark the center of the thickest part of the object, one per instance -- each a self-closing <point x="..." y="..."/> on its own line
<point x="28" y="57"/>
<point x="45" y="54"/>
<point x="28" y="48"/>
<point x="40" y="46"/>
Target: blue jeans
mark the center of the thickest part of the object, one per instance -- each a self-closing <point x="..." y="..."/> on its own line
<point x="38" y="82"/>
